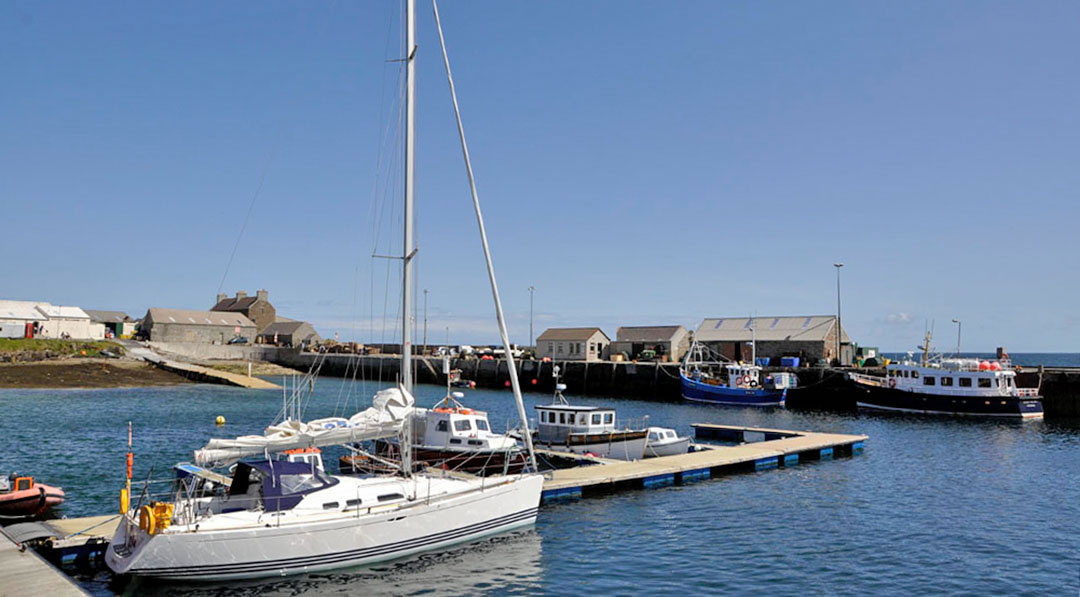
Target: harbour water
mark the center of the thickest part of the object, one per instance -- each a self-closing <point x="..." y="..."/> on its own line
<point x="933" y="505"/>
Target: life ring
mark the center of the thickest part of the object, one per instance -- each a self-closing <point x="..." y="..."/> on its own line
<point x="146" y="519"/>
<point x="753" y="383"/>
<point x="746" y="379"/>
<point x="892" y="382"/>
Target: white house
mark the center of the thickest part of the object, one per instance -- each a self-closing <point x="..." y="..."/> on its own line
<point x="573" y="344"/>
<point x="53" y="321"/>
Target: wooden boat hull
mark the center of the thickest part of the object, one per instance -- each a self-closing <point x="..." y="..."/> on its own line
<point x="616" y="445"/>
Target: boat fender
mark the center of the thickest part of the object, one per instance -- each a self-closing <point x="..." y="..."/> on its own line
<point x="125" y="500"/>
<point x="146" y="519"/>
<point x="753" y="383"/>
<point x="892" y="382"/>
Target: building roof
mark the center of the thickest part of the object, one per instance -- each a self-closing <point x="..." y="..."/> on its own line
<point x="61" y="311"/>
<point x="235" y="304"/>
<point x="570" y="334"/>
<point x="284" y="328"/>
<point x="654" y="333"/>
<point x="806" y="328"/>
<point x="186" y="317"/>
<point x="97" y="316"/>
<point x="26" y="310"/>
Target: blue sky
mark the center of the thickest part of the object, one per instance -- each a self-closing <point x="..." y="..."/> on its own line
<point x="639" y="163"/>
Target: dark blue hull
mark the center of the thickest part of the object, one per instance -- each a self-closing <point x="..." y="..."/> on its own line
<point x="717" y="394"/>
<point x="976" y="406"/>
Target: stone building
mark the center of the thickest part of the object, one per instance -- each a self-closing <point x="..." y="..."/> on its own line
<point x="256" y="308"/>
<point x="809" y="337"/>
<point x="206" y="327"/>
<point x="289" y="333"/>
<point x="669" y="342"/>
<point x="573" y="344"/>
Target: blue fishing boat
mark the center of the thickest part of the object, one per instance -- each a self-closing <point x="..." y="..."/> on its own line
<point x="735" y="383"/>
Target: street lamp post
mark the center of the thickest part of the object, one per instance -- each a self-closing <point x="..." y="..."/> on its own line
<point x="532" y="289"/>
<point x="959" y="326"/>
<point x="839" y="327"/>
<point x="425" y="321"/>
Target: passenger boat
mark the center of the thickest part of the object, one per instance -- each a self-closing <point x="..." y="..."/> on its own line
<point x="665" y="442"/>
<point x="273" y="518"/>
<point x="587" y="429"/>
<point x="713" y="381"/>
<point x="949" y="386"/>
<point x="22" y="498"/>
<point x="455" y="380"/>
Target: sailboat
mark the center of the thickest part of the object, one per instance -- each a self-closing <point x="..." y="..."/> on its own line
<point x="273" y="517"/>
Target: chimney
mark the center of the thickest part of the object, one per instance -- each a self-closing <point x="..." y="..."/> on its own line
<point x="220" y="297"/>
<point x="240" y="294"/>
<point x="261" y="295"/>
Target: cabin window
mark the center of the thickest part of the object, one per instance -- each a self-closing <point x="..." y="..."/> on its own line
<point x="441" y="426"/>
<point x="462" y="425"/>
<point x="914" y="375"/>
<point x="965" y="382"/>
<point x="291" y="484"/>
<point x="388" y="497"/>
<point x="928" y="380"/>
<point x="984" y="382"/>
<point x="562" y="418"/>
<point x="481" y="424"/>
<point x="609" y="418"/>
<point x="351" y="503"/>
<point x="946" y="381"/>
<point x="596" y="419"/>
<point x="330" y="506"/>
<point x="455" y="440"/>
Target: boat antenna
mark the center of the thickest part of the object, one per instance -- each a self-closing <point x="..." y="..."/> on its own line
<point x="511" y="366"/>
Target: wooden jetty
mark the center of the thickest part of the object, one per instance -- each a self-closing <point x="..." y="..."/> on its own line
<point x="24" y="572"/>
<point x="779" y="449"/>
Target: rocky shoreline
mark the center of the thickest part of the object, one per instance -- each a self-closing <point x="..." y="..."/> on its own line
<point x="85" y="373"/>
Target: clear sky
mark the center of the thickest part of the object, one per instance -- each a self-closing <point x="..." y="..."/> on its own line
<point x="639" y="162"/>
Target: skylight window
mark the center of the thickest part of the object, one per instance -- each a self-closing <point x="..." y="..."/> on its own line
<point x="806" y="323"/>
<point x="775" y="321"/>
<point x="718" y="324"/>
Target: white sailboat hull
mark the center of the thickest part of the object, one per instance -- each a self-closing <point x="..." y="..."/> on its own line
<point x="337" y="540"/>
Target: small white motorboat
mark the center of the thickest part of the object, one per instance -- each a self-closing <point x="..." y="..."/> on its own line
<point x="665" y="442"/>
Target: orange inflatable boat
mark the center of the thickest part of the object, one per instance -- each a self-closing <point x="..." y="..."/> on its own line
<point x="20" y="497"/>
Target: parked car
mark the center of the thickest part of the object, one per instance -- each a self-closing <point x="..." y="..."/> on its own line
<point x="238" y="340"/>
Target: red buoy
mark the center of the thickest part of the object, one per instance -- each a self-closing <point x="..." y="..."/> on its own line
<point x="534" y="381"/>
<point x="507" y="383"/>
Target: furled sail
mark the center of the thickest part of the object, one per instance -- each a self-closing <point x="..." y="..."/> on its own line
<point x="389" y="409"/>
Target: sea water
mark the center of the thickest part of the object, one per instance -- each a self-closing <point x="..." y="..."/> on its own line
<point x="932" y="505"/>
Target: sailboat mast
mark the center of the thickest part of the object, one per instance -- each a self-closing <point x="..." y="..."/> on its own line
<point x="410" y="164"/>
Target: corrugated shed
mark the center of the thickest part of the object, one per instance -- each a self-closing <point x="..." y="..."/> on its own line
<point x="808" y="328"/>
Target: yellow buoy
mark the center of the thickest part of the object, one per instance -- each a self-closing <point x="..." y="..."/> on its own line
<point x="220" y="420"/>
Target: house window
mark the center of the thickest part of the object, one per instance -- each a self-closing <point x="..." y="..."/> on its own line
<point x="946" y="381"/>
<point x="592" y="346"/>
<point x="984" y="382"/>
<point x="965" y="382"/>
<point x="928" y="380"/>
<point x="560" y="348"/>
<point x="550" y="349"/>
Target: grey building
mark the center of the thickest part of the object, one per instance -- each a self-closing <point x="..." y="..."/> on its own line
<point x="208" y="327"/>
<point x="256" y="308"/>
<point x="289" y="333"/>
<point x="670" y="341"/>
<point x="810" y="337"/>
<point x="573" y="344"/>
